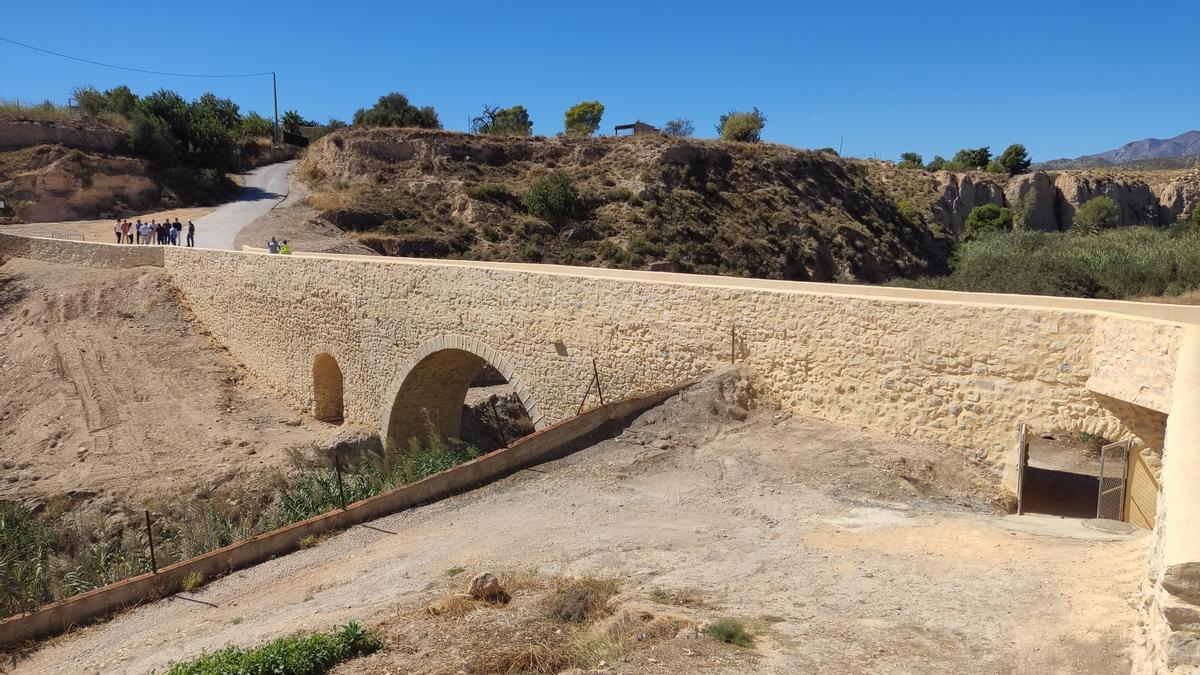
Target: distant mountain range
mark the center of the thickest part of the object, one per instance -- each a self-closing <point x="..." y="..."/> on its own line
<point x="1180" y="151"/>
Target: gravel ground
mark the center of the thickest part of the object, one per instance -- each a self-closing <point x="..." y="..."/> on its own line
<point x="846" y="552"/>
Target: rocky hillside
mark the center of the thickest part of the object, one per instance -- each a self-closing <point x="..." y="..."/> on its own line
<point x="728" y="208"/>
<point x="700" y="206"/>
<point x="81" y="167"/>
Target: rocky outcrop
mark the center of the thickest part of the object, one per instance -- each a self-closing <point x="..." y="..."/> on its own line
<point x="1032" y="198"/>
<point x="22" y="133"/>
<point x="71" y="184"/>
<point x="1179" y="198"/>
<point x="960" y="193"/>
<point x="1136" y="201"/>
<point x="1047" y="204"/>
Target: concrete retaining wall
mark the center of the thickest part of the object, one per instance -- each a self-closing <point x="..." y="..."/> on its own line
<point x="545" y="445"/>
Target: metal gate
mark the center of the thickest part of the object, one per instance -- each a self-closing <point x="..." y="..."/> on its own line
<point x="1022" y="462"/>
<point x="1110" y="500"/>
<point x="1141" y="494"/>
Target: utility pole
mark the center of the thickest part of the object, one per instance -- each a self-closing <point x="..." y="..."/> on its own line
<point x="275" y="92"/>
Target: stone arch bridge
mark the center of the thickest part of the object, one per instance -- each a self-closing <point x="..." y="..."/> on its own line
<point x="377" y="342"/>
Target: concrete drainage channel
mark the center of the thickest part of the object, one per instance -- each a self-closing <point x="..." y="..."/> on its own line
<point x="545" y="445"/>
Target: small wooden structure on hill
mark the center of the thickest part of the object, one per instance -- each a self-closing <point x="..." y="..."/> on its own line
<point x="638" y="128"/>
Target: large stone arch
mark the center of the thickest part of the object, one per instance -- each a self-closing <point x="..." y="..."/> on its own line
<point x="328" y="388"/>
<point x="435" y="380"/>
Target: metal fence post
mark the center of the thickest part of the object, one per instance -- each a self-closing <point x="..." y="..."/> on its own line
<point x="337" y="466"/>
<point x="499" y="424"/>
<point x="596" y="376"/>
<point x="150" y="539"/>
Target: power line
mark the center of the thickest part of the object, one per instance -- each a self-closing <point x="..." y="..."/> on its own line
<point x="136" y="70"/>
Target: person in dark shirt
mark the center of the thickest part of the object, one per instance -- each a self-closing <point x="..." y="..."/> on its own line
<point x="191" y="237"/>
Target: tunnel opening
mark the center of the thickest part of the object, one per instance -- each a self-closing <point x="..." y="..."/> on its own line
<point x="1062" y="474"/>
<point x="328" y="404"/>
<point x="458" y="396"/>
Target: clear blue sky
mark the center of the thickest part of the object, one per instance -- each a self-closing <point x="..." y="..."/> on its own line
<point x="1065" y="77"/>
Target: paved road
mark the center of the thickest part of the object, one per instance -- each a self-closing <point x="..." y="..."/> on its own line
<point x="265" y="186"/>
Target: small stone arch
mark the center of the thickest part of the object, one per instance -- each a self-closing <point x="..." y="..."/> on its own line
<point x="328" y="403"/>
<point x="434" y="382"/>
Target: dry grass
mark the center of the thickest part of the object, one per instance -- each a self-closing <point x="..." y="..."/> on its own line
<point x="681" y="597"/>
<point x="581" y="600"/>
<point x="551" y="624"/>
<point x="452" y="606"/>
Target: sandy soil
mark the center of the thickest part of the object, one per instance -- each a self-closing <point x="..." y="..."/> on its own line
<point x="842" y="551"/>
<point x="109" y="386"/>
<point x="102" y="230"/>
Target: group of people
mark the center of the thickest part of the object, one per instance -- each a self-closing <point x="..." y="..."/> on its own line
<point x="274" y="246"/>
<point x="165" y="233"/>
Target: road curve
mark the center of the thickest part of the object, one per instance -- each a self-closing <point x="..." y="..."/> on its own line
<point x="264" y="187"/>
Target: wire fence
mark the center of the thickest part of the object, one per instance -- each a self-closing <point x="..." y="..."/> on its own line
<point x="70" y="236"/>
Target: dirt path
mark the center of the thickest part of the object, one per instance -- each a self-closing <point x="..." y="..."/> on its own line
<point x="108" y="386"/>
<point x="300" y="224"/>
<point x="845" y="552"/>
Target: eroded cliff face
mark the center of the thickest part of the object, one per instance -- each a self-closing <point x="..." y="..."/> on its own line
<point x="52" y="183"/>
<point x="1047" y="201"/>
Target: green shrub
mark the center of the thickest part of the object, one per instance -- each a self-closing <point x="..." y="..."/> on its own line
<point x="294" y="655"/>
<point x="583" y="119"/>
<point x="553" y="198"/>
<point x="987" y="218"/>
<point x="25" y="546"/>
<point x="490" y="192"/>
<point x="938" y="163"/>
<point x="745" y="127"/>
<point x="1097" y="213"/>
<point x="192" y="581"/>
<point x="728" y="630"/>
<point x="1127" y="262"/>
<point x="256" y="126"/>
<point x="908" y="212"/>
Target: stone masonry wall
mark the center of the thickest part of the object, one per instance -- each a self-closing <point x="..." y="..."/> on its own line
<point x="958" y="373"/>
<point x="962" y="369"/>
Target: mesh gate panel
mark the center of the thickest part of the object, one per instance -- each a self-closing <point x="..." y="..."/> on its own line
<point x="1110" y="503"/>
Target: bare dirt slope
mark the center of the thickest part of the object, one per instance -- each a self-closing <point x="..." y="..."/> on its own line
<point x="842" y="551"/>
<point x="108" y="385"/>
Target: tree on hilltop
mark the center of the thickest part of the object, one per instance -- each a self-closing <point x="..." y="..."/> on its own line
<point x="497" y="121"/>
<point x="679" y="128"/>
<point x="583" y="119"/>
<point x="745" y="127"/>
<point x="395" y="110"/>
<point x="973" y="158"/>
<point x="1014" y="159"/>
<point x="911" y="160"/>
